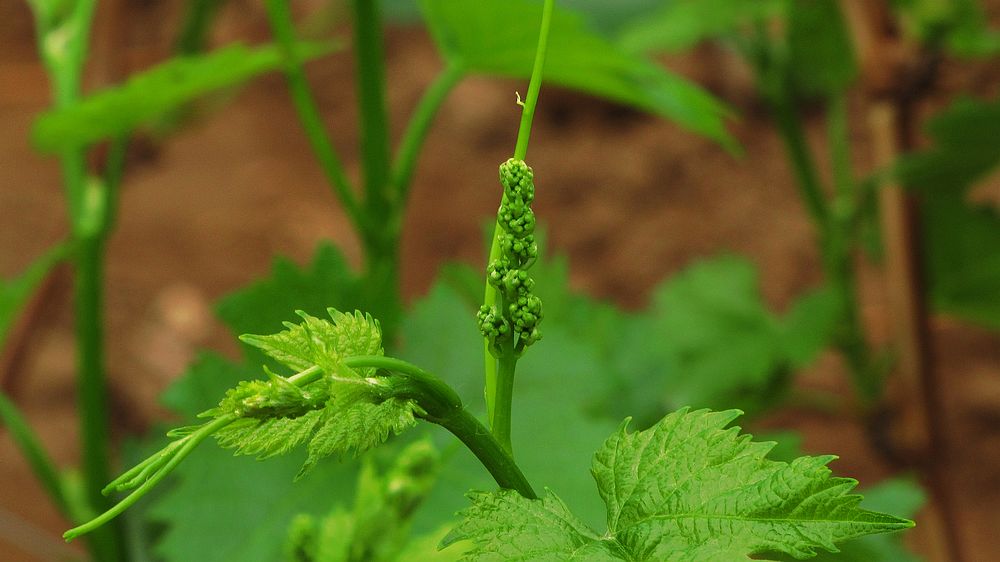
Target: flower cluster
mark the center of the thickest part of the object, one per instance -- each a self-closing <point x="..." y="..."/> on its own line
<point x="519" y="311"/>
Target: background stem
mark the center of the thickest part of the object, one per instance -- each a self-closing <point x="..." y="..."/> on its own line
<point x="30" y="446"/>
<point x="797" y="147"/>
<point x="91" y="387"/>
<point x="416" y="131"/>
<point x="283" y="29"/>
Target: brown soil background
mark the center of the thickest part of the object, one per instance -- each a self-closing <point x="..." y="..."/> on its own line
<point x="629" y="198"/>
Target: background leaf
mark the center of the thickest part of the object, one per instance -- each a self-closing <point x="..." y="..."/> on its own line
<point x="471" y="35"/>
<point x="681" y="24"/>
<point x="962" y="259"/>
<point x="820" y="50"/>
<point x="153" y="93"/>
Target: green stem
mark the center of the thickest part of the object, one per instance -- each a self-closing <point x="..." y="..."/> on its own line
<point x="305" y="105"/>
<point x="490" y="367"/>
<point x="501" y="380"/>
<point x="488" y="450"/>
<point x="504" y="400"/>
<point x="383" y="209"/>
<point x="839" y="258"/>
<point x="92" y="389"/>
<point x="39" y="461"/>
<point x="90" y="364"/>
<point x="64" y="61"/>
<point x="420" y="123"/>
<point x="369" y="56"/>
<point x="444" y="407"/>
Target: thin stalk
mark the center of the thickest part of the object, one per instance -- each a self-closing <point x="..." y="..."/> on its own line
<point x="64" y="62"/>
<point x="444" y="407"/>
<point x="305" y="105"/>
<point x="439" y="403"/>
<point x="488" y="450"/>
<point x="420" y="123"/>
<point x="38" y="459"/>
<point x="839" y="255"/>
<point x="501" y="380"/>
<point x="535" y="85"/>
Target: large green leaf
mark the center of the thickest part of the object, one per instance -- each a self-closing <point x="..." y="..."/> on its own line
<point x="498" y="37"/>
<point x="687" y="489"/>
<point x="962" y="257"/>
<point x="16" y="291"/>
<point x="150" y="94"/>
<point x="711" y="326"/>
<point x="899" y="496"/>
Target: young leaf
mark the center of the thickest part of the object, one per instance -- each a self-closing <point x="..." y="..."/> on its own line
<point x="687" y="489"/>
<point x="147" y="95"/>
<point x="211" y="477"/>
<point x="320" y="342"/>
<point x="506" y="526"/>
<point x="343" y="411"/>
<point x="470" y="35"/>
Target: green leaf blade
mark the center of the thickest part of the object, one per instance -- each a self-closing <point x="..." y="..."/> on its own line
<point x="468" y="35"/>
<point x="505" y="527"/>
<point x="147" y="95"/>
<point x="695" y="482"/>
